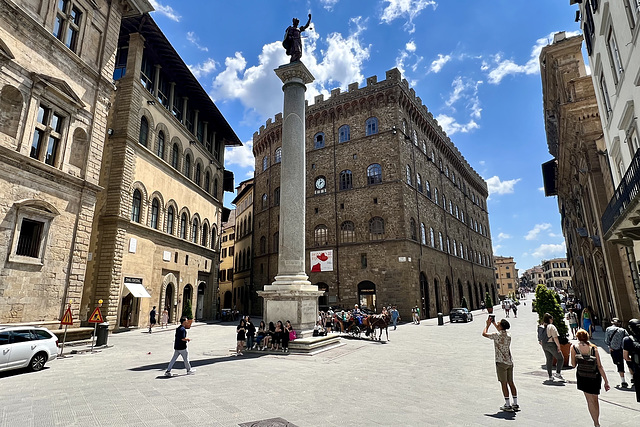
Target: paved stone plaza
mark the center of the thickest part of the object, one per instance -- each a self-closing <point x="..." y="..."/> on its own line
<point x="427" y="375"/>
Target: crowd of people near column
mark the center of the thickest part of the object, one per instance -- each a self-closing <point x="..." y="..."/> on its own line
<point x="275" y="337"/>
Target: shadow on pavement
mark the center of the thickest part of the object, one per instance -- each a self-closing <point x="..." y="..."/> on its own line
<point x="503" y="415"/>
<point x="556" y="383"/>
<point x="618" y="387"/>
<point x="201" y="362"/>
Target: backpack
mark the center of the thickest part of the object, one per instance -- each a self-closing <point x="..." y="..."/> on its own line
<point x="635" y="352"/>
<point x="542" y="334"/>
<point x="586" y="364"/>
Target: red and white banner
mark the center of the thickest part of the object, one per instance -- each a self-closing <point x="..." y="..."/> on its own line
<point x="321" y="261"/>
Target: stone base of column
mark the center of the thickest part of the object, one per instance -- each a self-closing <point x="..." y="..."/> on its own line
<point x="291" y="298"/>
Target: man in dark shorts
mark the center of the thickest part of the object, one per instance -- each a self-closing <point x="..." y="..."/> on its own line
<point x="613" y="338"/>
<point x="152" y="318"/>
<point x="504" y="362"/>
<point x="631" y="353"/>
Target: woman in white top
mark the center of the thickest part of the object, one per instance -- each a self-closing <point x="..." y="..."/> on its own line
<point x="551" y="348"/>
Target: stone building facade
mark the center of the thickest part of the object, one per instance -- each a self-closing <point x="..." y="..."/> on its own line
<point x="597" y="269"/>
<point x="56" y="67"/>
<point x="227" y="251"/>
<point x="394" y="211"/>
<point x="533" y="276"/>
<point x="506" y="275"/>
<point x="243" y="292"/>
<point x="155" y="241"/>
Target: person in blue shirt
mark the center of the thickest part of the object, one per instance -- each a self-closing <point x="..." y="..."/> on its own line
<point x="180" y="349"/>
<point x="395" y="315"/>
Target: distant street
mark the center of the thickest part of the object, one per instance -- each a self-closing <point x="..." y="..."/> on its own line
<point x="427" y="375"/>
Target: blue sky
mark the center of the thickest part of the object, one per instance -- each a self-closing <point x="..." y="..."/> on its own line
<point x="474" y="64"/>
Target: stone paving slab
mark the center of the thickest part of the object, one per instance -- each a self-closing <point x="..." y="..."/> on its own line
<point x="426" y="375"/>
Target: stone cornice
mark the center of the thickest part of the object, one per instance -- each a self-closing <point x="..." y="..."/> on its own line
<point x="294" y="72"/>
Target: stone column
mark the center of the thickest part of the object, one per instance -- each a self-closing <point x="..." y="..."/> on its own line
<point x="291" y="296"/>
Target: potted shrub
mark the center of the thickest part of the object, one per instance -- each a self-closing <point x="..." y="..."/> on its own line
<point x="464" y="302"/>
<point x="548" y="301"/>
<point x="488" y="302"/>
<point x="188" y="313"/>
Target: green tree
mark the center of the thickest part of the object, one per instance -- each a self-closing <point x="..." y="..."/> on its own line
<point x="548" y="301"/>
<point x="464" y="302"/>
<point x="488" y="302"/>
<point x="186" y="310"/>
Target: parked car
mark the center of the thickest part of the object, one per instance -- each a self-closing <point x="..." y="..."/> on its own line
<point x="26" y="346"/>
<point x="460" y="314"/>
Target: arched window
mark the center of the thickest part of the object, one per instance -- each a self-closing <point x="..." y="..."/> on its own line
<point x="194" y="231"/>
<point x="409" y="179"/>
<point x="155" y="208"/>
<point x="170" y="218"/>
<point x="207" y="182"/>
<point x="175" y="153"/>
<point x="371" y="126"/>
<point x="205" y="234"/>
<point x="265" y="163"/>
<point x="183" y="226"/>
<point x="455" y="248"/>
<point x="424" y="147"/>
<point x="135" y="206"/>
<point x="278" y="155"/>
<point x="160" y="151"/>
<point x="276" y="242"/>
<point x="404" y="126"/>
<point x="423" y="234"/>
<point x="265" y="204"/>
<point x="198" y="173"/>
<point x="444" y="202"/>
<point x="215" y="188"/>
<point x="144" y="131"/>
<point x="187" y="166"/>
<point x="448" y="245"/>
<point x="461" y="253"/>
<point x="457" y="212"/>
<point x="441" y="247"/>
<point x="249" y="222"/>
<point x="450" y="207"/>
<point x="419" y="182"/>
<point x="432" y="237"/>
<point x="446" y="171"/>
<point x="214" y="236"/>
<point x="435" y="194"/>
<point x="318" y="140"/>
<point x="453" y="177"/>
<point x="263" y="245"/>
<point x="320" y="235"/>
<point x="347" y="232"/>
<point x="276" y="197"/>
<point x="344" y="133"/>
<point x="415" y="138"/>
<point x="374" y="174"/>
<point x="346" y="180"/>
<point x="427" y="186"/>
<point x="412" y="229"/>
<point x="376" y="228"/>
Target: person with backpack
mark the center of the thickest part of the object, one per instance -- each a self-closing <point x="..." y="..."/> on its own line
<point x="589" y="373"/>
<point x="631" y="353"/>
<point x="614" y="336"/>
<point x="548" y="339"/>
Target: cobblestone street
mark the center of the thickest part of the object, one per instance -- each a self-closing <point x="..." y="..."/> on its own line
<point x="425" y="376"/>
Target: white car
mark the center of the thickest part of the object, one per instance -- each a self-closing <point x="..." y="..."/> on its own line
<point x="22" y="346"/>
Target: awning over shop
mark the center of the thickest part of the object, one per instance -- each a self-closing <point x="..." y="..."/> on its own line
<point x="137" y="290"/>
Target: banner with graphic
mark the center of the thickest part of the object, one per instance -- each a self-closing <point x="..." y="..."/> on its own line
<point x="321" y="261"/>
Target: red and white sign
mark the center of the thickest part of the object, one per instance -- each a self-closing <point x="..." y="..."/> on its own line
<point x="321" y="261"/>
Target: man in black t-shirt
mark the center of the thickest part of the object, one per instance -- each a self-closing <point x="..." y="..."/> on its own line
<point x="631" y="353"/>
<point x="180" y="349"/>
<point x="152" y="318"/>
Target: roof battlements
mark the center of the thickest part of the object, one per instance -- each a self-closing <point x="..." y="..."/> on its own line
<point x="393" y="77"/>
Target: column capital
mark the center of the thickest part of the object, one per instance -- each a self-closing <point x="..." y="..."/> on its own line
<point x="294" y="72"/>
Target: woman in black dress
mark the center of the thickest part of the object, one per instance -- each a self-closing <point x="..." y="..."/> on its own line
<point x="589" y="373"/>
<point x="241" y="335"/>
<point x="272" y="334"/>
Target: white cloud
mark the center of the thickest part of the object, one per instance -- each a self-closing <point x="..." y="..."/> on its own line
<point x="411" y="46"/>
<point x="496" y="186"/>
<point x="547" y="251"/>
<point x="259" y="89"/>
<point x="191" y="36"/>
<point x="408" y="56"/>
<point x="533" y="233"/>
<point x="484" y="66"/>
<point x="328" y="4"/>
<point x="496" y="248"/>
<point x="458" y="87"/>
<point x="506" y="67"/>
<point x="207" y="67"/>
<point x="482" y="162"/>
<point x="541" y="189"/>
<point x="450" y="126"/>
<point x="241" y="156"/>
<point x="405" y="8"/>
<point x="165" y="10"/>
<point x="437" y="64"/>
<point x="503" y="236"/>
<point x="554" y="235"/>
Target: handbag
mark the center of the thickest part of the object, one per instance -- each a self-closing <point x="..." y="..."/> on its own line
<point x="292" y="335"/>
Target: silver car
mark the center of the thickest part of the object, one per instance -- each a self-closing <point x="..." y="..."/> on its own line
<point x="26" y="346"/>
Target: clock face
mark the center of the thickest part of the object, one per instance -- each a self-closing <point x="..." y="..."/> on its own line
<point x="320" y="183"/>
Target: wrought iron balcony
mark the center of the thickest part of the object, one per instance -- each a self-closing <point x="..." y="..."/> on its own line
<point x="626" y="192"/>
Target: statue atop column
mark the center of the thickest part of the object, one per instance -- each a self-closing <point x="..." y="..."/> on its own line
<point x="292" y="41"/>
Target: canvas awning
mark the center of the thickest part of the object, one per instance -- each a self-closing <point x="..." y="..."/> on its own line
<point x="137" y="290"/>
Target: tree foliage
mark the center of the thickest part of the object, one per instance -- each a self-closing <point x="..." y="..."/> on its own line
<point x="548" y="301"/>
<point x="187" y="311"/>
<point x="488" y="302"/>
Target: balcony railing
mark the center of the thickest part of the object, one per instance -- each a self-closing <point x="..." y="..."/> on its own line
<point x="626" y="192"/>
